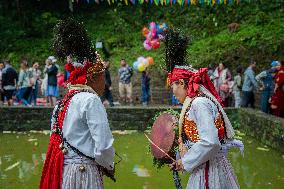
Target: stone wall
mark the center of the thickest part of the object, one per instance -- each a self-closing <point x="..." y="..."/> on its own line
<point x="38" y="118"/>
<point x="266" y="128"/>
<point x="24" y="119"/>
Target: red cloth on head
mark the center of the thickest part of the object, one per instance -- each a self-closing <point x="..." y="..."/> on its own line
<point x="194" y="81"/>
<point x="78" y="75"/>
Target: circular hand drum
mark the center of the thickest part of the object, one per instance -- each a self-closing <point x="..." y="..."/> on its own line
<point x="163" y="135"/>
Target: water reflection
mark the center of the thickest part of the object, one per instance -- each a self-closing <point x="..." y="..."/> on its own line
<point x="25" y="168"/>
<point x="140" y="171"/>
<point x="22" y="157"/>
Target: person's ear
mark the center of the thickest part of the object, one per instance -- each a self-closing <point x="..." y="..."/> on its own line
<point x="181" y="82"/>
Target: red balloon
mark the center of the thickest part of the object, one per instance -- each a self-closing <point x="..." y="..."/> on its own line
<point x="155" y="43"/>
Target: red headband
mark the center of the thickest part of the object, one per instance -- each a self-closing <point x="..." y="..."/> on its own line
<point x="194" y="81"/>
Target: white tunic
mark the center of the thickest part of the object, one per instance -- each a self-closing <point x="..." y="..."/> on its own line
<point x="221" y="176"/>
<point x="86" y="128"/>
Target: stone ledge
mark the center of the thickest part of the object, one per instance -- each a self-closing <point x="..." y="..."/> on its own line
<point x="266" y="128"/>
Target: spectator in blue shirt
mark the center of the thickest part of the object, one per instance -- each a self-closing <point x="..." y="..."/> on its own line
<point x="249" y="85"/>
<point x="266" y="80"/>
<point x="125" y="73"/>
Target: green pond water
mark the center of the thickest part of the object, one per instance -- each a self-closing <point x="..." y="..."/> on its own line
<point x="22" y="156"/>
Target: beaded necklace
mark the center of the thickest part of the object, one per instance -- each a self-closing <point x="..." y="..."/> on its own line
<point x="59" y="116"/>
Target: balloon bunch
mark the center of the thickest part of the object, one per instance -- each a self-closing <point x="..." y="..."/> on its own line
<point x="153" y="35"/>
<point x="142" y="63"/>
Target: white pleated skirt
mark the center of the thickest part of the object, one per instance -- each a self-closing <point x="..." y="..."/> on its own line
<point x="220" y="175"/>
<point x="74" y="178"/>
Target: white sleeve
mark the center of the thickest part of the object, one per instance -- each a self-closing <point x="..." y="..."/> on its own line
<point x="209" y="144"/>
<point x="99" y="128"/>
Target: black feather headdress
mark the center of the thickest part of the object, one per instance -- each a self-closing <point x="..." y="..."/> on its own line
<point x="176" y="44"/>
<point x="71" y="38"/>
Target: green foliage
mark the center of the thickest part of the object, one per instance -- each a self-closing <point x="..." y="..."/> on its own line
<point x="261" y="33"/>
<point x="226" y="46"/>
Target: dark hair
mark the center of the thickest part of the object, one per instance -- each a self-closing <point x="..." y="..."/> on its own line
<point x="239" y="69"/>
<point x="210" y="66"/>
<point x="122" y="59"/>
<point x="6" y="61"/>
<point x="25" y="62"/>
<point x="225" y="66"/>
<point x="252" y="62"/>
<point x="185" y="82"/>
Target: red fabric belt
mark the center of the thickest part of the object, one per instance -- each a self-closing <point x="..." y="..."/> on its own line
<point x="207" y="175"/>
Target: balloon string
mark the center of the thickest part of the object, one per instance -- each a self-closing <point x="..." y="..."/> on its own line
<point x="159" y="148"/>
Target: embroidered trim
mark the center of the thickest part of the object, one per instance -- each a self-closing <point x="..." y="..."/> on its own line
<point x="189" y="127"/>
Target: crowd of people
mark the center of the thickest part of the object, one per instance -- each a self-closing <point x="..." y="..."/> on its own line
<point x="239" y="91"/>
<point x="24" y="87"/>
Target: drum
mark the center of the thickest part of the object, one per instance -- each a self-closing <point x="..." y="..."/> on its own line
<point x="162" y="136"/>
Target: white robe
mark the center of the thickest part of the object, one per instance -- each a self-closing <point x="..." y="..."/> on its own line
<point x="221" y="175"/>
<point x="86" y="128"/>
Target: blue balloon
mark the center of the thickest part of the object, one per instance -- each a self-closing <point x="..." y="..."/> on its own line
<point x="159" y="29"/>
<point x="135" y="65"/>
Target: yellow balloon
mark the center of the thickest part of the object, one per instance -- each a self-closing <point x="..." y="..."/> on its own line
<point x="141" y="67"/>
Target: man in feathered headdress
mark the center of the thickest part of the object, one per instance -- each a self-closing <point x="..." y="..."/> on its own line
<point x="80" y="148"/>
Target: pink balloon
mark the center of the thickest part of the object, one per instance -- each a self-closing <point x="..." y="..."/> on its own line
<point x="149" y="36"/>
<point x="152" y="25"/>
<point x="154" y="33"/>
<point x="147" y="45"/>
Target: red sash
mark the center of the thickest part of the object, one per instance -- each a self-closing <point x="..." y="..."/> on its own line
<point x="207" y="175"/>
<point x="52" y="171"/>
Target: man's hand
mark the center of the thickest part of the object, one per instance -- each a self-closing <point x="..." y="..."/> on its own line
<point x="69" y="59"/>
<point x="109" y="173"/>
<point x="273" y="107"/>
<point x="177" y="165"/>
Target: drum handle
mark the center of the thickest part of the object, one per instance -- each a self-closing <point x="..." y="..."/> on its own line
<point x="159" y="148"/>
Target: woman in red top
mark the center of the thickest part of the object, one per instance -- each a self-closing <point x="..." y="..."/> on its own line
<point x="277" y="99"/>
